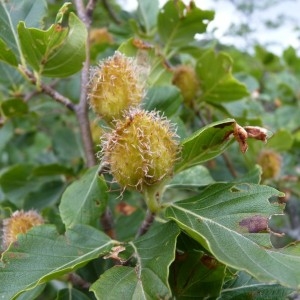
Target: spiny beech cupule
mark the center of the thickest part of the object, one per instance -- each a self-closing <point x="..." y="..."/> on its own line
<point x="116" y="84"/>
<point x="19" y="222"/>
<point x="186" y="80"/>
<point x="271" y="162"/>
<point x="141" y="152"/>
<point x="141" y="148"/>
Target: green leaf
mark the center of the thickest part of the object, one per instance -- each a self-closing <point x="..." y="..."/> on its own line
<point x="19" y="182"/>
<point x="56" y="52"/>
<point x="147" y="14"/>
<point x="178" y="24"/>
<point x="245" y="110"/>
<point x="10" y="77"/>
<point x="42" y="255"/>
<point x="71" y="293"/>
<point x="16" y="182"/>
<point x="206" y="143"/>
<point x="282" y="140"/>
<point x="253" y="176"/>
<point x="30" y="11"/>
<point x="216" y="80"/>
<point x="119" y="282"/>
<point x="245" y="287"/>
<point x="286" y="116"/>
<point x="48" y="194"/>
<point x="291" y="58"/>
<point x="52" y="169"/>
<point x="166" y="99"/>
<point x="196" y="275"/>
<point x="7" y="33"/>
<point x="197" y="176"/>
<point x="6" y="133"/>
<point x="126" y="226"/>
<point x="33" y="293"/>
<point x="270" y="61"/>
<point x="84" y="200"/>
<point x="66" y="145"/>
<point x="7" y="54"/>
<point x="147" y="57"/>
<point x="230" y="221"/>
<point x="154" y="253"/>
<point x="14" y="107"/>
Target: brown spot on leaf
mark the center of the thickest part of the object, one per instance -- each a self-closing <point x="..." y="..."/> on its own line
<point x="286" y="197"/>
<point x="257" y="133"/>
<point x="181" y="256"/>
<point x="125" y="208"/>
<point x="223" y="125"/>
<point x="241" y="135"/>
<point x="209" y="262"/>
<point x="114" y="253"/>
<point x="141" y="44"/>
<point x="255" y="224"/>
<point x="58" y="28"/>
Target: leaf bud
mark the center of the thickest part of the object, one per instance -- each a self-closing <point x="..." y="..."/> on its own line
<point x="19" y="222"/>
<point x="116" y="85"/>
<point x="141" y="150"/>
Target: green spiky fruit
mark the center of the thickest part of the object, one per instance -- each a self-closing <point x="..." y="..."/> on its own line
<point x="19" y="222"/>
<point x="142" y="150"/>
<point x="116" y="85"/>
<point x="186" y="80"/>
<point x="270" y="162"/>
<point x="100" y="36"/>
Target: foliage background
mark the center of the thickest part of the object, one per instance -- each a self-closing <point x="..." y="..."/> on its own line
<point x="43" y="150"/>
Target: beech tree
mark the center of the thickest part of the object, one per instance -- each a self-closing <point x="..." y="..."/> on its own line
<point x="140" y="161"/>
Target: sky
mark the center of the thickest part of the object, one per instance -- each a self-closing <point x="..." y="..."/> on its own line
<point x="276" y="40"/>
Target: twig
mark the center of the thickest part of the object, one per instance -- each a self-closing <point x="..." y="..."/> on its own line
<point x="199" y="114"/>
<point x="30" y="95"/>
<point x="146" y="223"/>
<point x="84" y="125"/>
<point x="78" y="281"/>
<point x="90" y="8"/>
<point x="49" y="90"/>
<point x="81" y="11"/>
<point x="229" y="165"/>
<point x="82" y="107"/>
<point x="108" y="223"/>
<point x="111" y="12"/>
